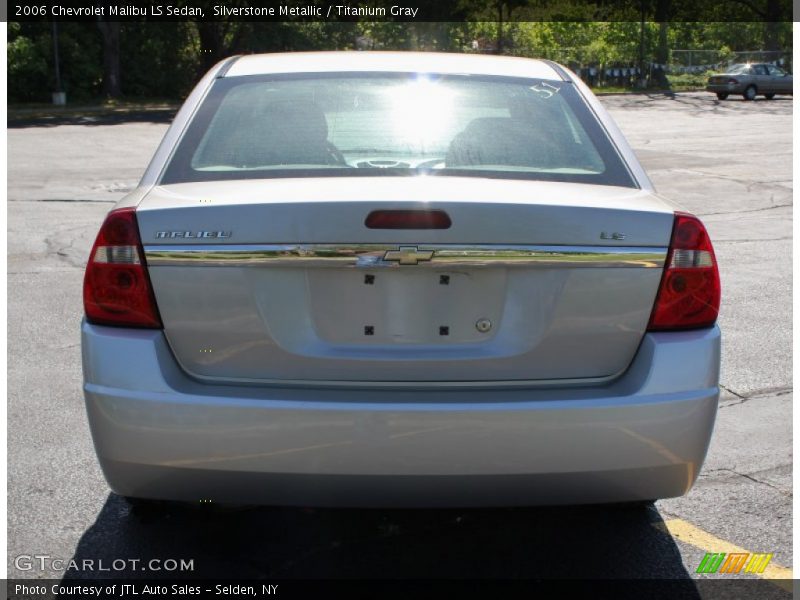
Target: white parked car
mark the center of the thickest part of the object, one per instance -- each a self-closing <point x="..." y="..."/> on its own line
<point x="399" y="279"/>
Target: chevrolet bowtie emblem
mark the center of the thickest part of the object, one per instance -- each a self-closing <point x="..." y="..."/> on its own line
<point x="408" y="255"/>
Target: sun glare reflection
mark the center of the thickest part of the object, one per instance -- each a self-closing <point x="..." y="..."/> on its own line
<point x="422" y="110"/>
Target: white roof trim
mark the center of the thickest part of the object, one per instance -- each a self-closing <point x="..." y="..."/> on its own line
<point x="413" y="62"/>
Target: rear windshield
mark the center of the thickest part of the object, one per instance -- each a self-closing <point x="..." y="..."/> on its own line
<point x="317" y="125"/>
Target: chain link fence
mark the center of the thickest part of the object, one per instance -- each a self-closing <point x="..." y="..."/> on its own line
<point x="685" y="67"/>
<point x="701" y="61"/>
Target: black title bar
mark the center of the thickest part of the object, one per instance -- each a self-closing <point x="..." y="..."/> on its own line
<point x="403" y="10"/>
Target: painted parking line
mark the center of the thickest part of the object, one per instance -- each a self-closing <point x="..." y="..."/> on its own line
<point x="686" y="532"/>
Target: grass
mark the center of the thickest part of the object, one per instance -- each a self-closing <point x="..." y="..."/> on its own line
<point x="679" y="82"/>
<point x="99" y="107"/>
<point x="686" y="82"/>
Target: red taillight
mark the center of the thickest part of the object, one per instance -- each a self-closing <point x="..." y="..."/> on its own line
<point x="408" y="219"/>
<point x="116" y="288"/>
<point x="689" y="294"/>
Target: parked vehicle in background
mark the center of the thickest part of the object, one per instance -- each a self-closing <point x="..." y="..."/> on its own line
<point x="399" y="279"/>
<point x="751" y="80"/>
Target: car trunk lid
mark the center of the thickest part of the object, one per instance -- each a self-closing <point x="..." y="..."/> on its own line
<point x="280" y="280"/>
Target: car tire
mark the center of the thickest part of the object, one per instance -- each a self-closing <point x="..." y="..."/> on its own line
<point x="769" y="96"/>
<point x="750" y="93"/>
<point x="722" y="95"/>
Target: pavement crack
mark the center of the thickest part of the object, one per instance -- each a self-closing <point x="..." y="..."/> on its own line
<point x="778" y="239"/>
<point x="69" y="200"/>
<point x="747" y="183"/>
<point x="59" y="248"/>
<point x="755" y="394"/>
<point x="753" y="479"/>
<point x="46" y="272"/>
<point x="752" y="210"/>
<point x="730" y="391"/>
<point x="67" y="347"/>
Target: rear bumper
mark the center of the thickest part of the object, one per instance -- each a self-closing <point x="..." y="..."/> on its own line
<point x="160" y="434"/>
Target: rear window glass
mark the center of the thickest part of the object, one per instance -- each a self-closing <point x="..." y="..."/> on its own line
<point x="394" y="124"/>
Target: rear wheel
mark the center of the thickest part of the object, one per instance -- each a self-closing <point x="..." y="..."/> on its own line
<point x="769" y="96"/>
<point x="750" y="93"/>
<point x="722" y="95"/>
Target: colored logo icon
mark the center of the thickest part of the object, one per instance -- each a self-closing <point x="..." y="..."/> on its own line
<point x="734" y="562"/>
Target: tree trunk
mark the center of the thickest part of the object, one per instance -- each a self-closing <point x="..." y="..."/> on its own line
<point x="499" y="49"/>
<point x="662" y="51"/>
<point x="112" y="87"/>
<point x="773" y="14"/>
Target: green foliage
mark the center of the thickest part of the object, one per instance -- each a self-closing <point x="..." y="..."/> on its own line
<point x="687" y="81"/>
<point x="166" y="59"/>
<point x="31" y="76"/>
<point x="163" y="60"/>
<point x="28" y="70"/>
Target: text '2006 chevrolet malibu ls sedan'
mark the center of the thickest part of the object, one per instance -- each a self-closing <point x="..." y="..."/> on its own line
<point x="399" y="279"/>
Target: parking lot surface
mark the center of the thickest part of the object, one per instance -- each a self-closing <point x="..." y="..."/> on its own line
<point x="728" y="162"/>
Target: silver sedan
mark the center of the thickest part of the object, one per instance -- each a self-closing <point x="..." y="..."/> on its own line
<point x="394" y="279"/>
<point x="751" y="80"/>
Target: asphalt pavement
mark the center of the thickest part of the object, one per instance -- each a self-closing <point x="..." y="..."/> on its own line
<point x="728" y="162"/>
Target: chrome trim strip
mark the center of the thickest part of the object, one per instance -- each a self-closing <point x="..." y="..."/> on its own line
<point x="478" y="384"/>
<point x="372" y="256"/>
